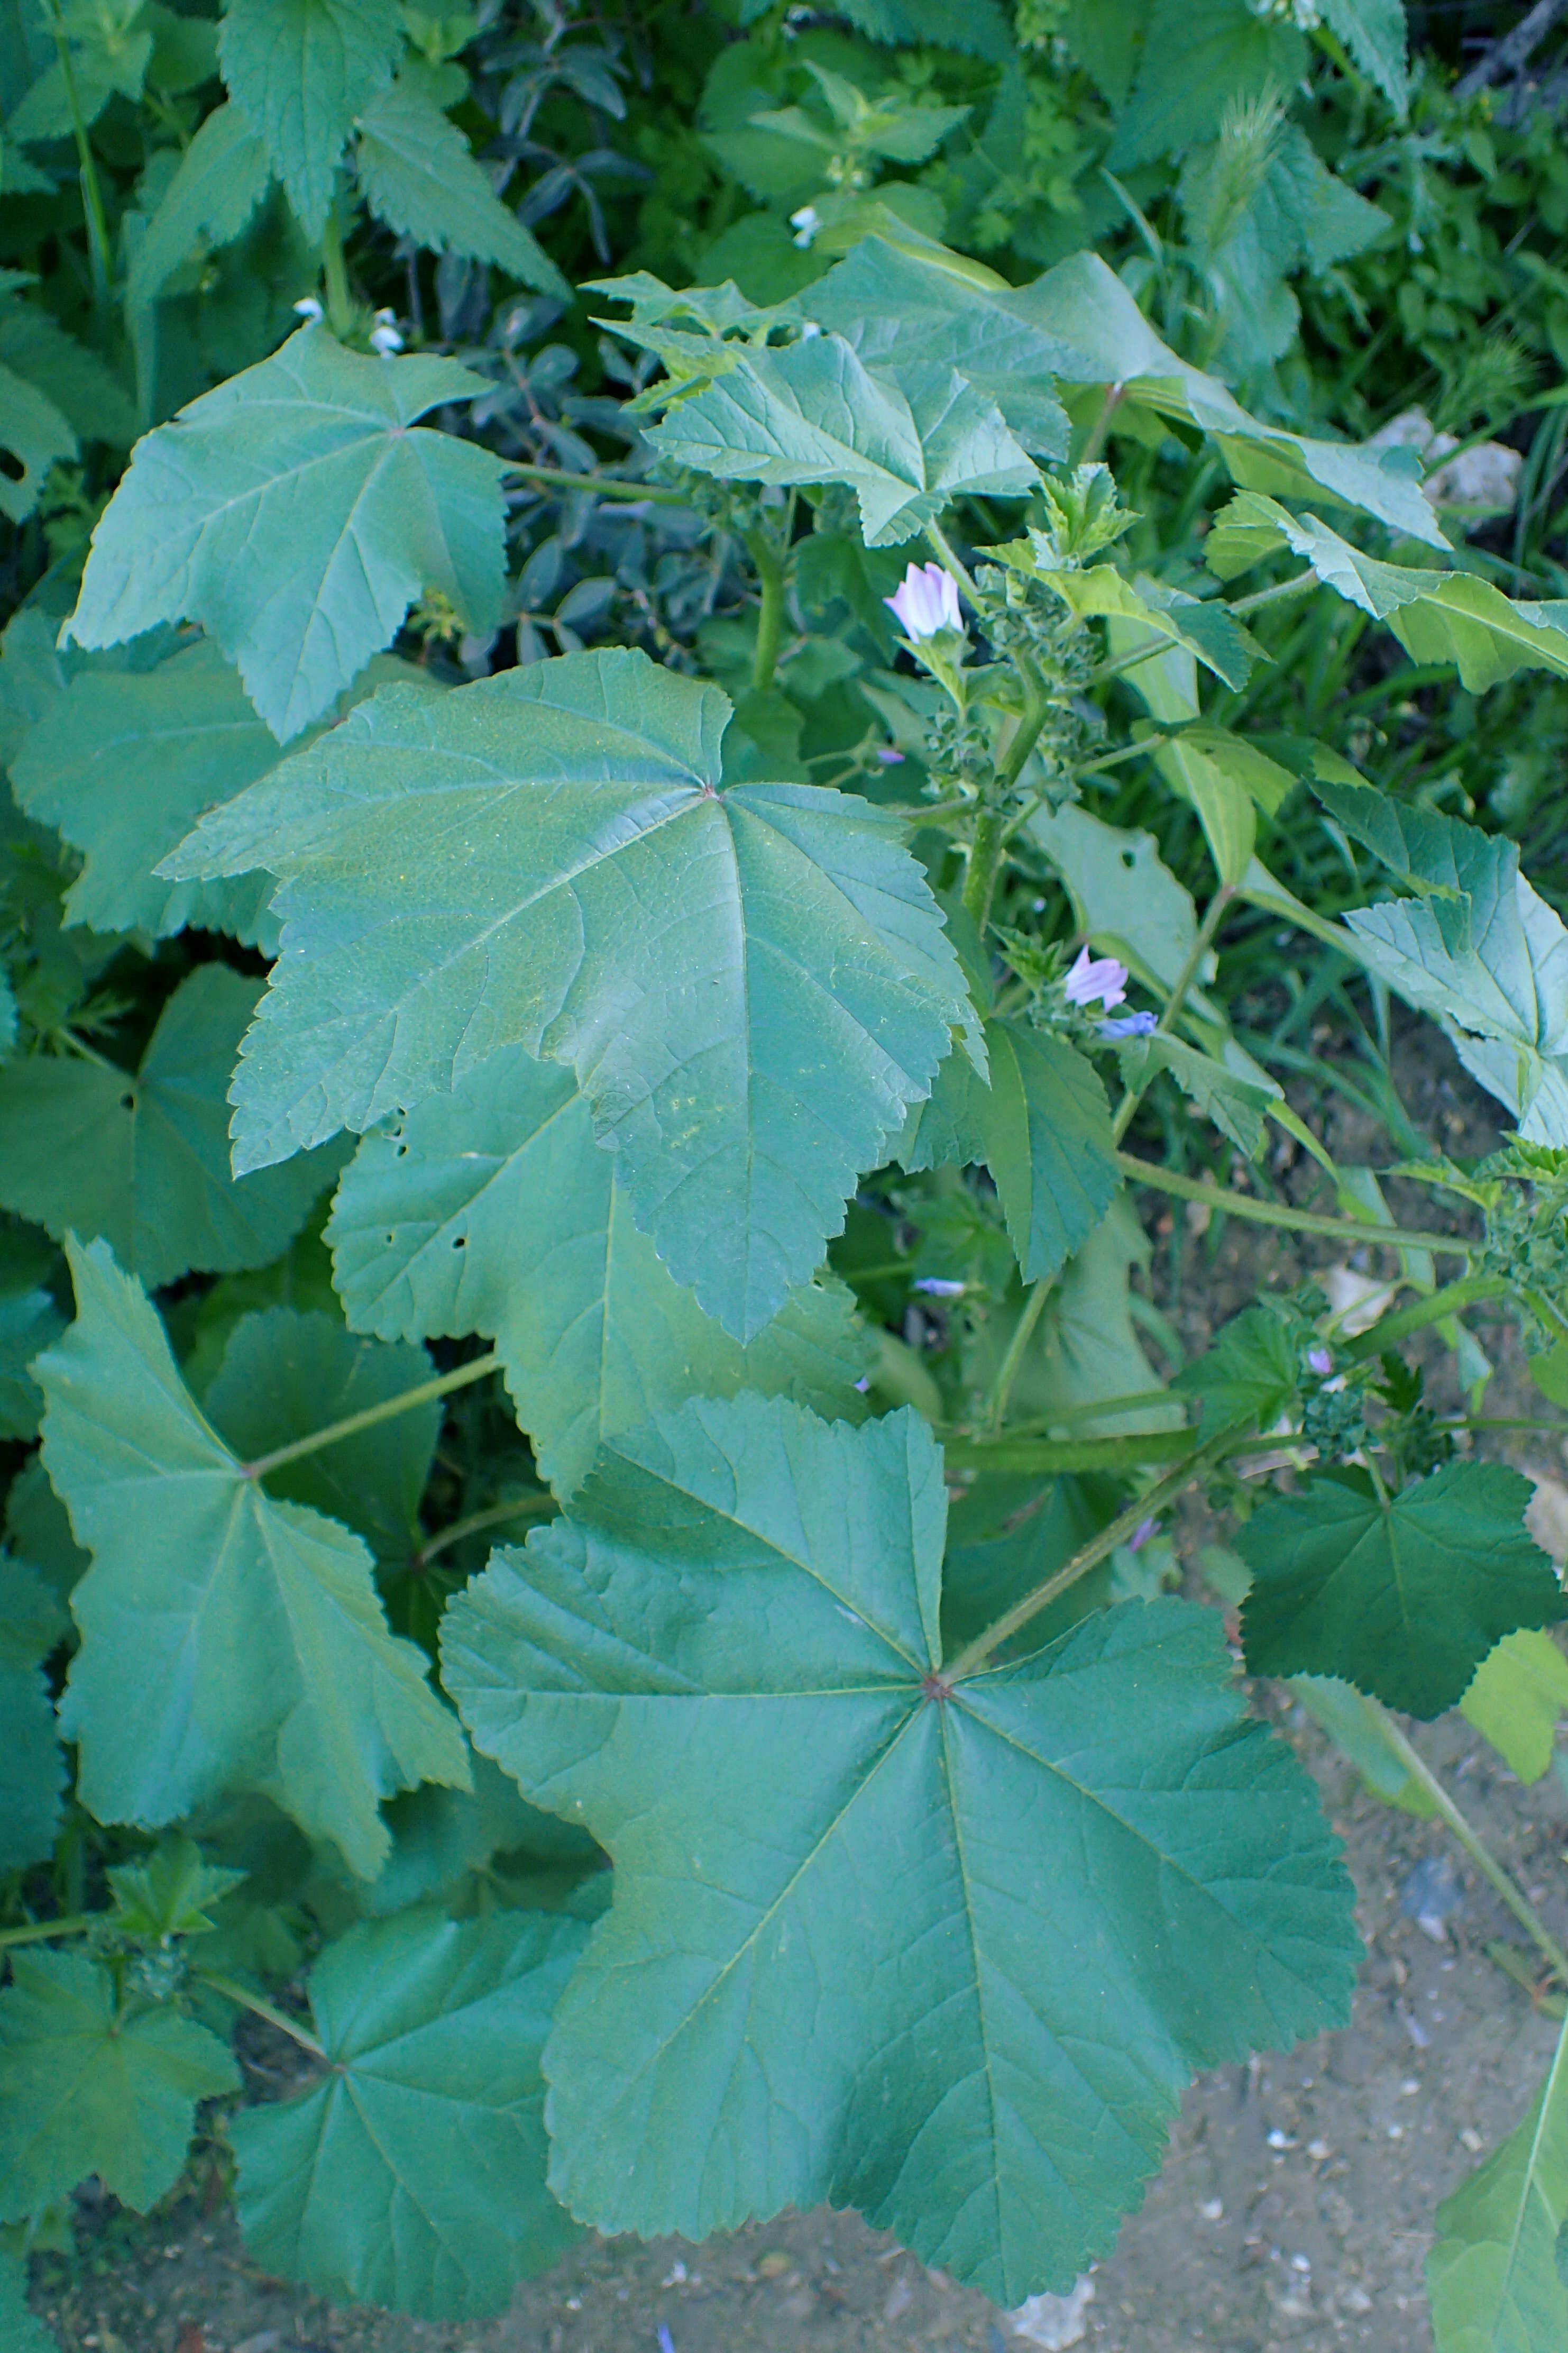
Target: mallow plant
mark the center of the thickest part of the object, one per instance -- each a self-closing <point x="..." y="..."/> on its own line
<point x="595" y="1557"/>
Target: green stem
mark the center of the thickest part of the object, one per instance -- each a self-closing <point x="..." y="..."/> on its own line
<point x="1480" y="1855"/>
<point x="952" y="562"/>
<point x="232" y="1991"/>
<point x="771" y="614"/>
<point x="1546" y="1310"/>
<point x="606" y="485"/>
<point x="1297" y="586"/>
<point x="524" y="1507"/>
<point x="98" y="242"/>
<point x="1023" y="1333"/>
<point x="387" y="1410"/>
<point x="1052" y="1456"/>
<point x="1192" y="965"/>
<point x="1470" y="1292"/>
<point x="340" y="301"/>
<point x="1275" y="1213"/>
<point x="985" y="857"/>
<point x="37" y="1932"/>
<point x="1175" y="1481"/>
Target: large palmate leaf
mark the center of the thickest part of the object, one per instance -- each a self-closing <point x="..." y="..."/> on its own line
<point x="123" y="767"/>
<point x="301" y="70"/>
<point x="1479" y="948"/>
<point x="419" y="177"/>
<point x="413" y="2175"/>
<point x="907" y="438"/>
<point x="32" y="1766"/>
<point x="1084" y="304"/>
<point x="222" y="177"/>
<point x="296" y="511"/>
<point x="893" y="307"/>
<point x="845" y="1959"/>
<point x="751" y="985"/>
<point x="1438" y="617"/>
<point x="1495" y="2276"/>
<point x="285" y="1374"/>
<point x="493" y="1210"/>
<point x="1041" y="1125"/>
<point x="143" y="1160"/>
<point x="1403" y="1598"/>
<point x="227" y="1640"/>
<point x="86" y="2087"/>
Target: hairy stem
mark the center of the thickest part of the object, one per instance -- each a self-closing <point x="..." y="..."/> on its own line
<point x="1470" y="1838"/>
<point x="1023" y="1333"/>
<point x="387" y="1410"/>
<point x="1276" y="1213"/>
<point x="1470" y="1292"/>
<point x="1297" y="586"/>
<point x="607" y="486"/>
<point x="38" y="1932"/>
<point x="522" y="1507"/>
<point x="771" y="616"/>
<point x="1193" y="1465"/>
<point x="1191" y="968"/>
<point x="952" y="562"/>
<point x="232" y="1991"/>
<point x="985" y="852"/>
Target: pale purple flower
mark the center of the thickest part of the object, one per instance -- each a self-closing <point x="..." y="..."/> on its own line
<point x="1096" y="976"/>
<point x="1320" y="1361"/>
<point x="806" y="224"/>
<point x="926" y="601"/>
<point x="1140" y="1534"/>
<point x="1129" y="1025"/>
<point x="890" y="759"/>
<point x="935" y="1286"/>
<point x="666" y="2341"/>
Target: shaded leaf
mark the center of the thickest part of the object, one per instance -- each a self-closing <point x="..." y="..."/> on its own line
<point x="86" y="2088"/>
<point x="34" y="436"/>
<point x="143" y="1160"/>
<point x="413" y="2176"/>
<point x="1519" y="1692"/>
<point x="284" y="1375"/>
<point x="1252" y="1373"/>
<point x="419" y="177"/>
<point x="228" y="1641"/>
<point x="1403" y="1599"/>
<point x="1200" y="56"/>
<point x="19" y="2332"/>
<point x="32" y="1762"/>
<point x="222" y="177"/>
<point x="753" y="985"/>
<point x="85" y="390"/>
<point x="301" y="70"/>
<point x="1493" y="2276"/>
<point x="1373" y="31"/>
<point x="493" y="1210"/>
<point x="741" y="1617"/>
<point x="296" y="511"/>
<point x="29" y="1320"/>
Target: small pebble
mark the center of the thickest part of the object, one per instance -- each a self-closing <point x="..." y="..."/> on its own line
<point x="1301" y="2262"/>
<point x="676" y="2275"/>
<point x="1213" y="2209"/>
<point x="1409" y="2088"/>
<point x="1472" y="2139"/>
<point x="1318" y="2150"/>
<point x="1396" y="2132"/>
<point x="1279" y="2139"/>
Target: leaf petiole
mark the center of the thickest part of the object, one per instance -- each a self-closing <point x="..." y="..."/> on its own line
<point x="609" y="486"/>
<point x="387" y="1410"/>
<point x="38" y="1932"/>
<point x="1277" y="1213"/>
<point x="232" y="1991"/>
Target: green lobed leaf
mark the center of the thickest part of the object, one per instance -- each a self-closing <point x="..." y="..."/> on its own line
<point x="893" y="308"/>
<point x="87" y="391"/>
<point x="413" y="2175"/>
<point x="19" y="2332"/>
<point x="420" y="178"/>
<point x="228" y="1641"/>
<point x="1494" y="2275"/>
<point x="124" y="767"/>
<point x="1252" y="1373"/>
<point x="842" y="1960"/>
<point x="1228" y="1088"/>
<point x="492" y="1209"/>
<point x="222" y="177"/>
<point x="301" y="70"/>
<point x="1041" y="1125"/>
<point x="143" y="1160"/>
<point x="86" y="2087"/>
<point x="1373" y="31"/>
<point x="284" y="1375"/>
<point x="32" y="1764"/>
<point x="34" y="436"/>
<point x="1438" y="617"/>
<point x="169" y="1893"/>
<point x="441" y="1838"/>
<point x="751" y="985"/>
<point x="908" y="439"/>
<point x="29" y="1320"/>
<point x="1404" y="1598"/>
<point x="1518" y="1694"/>
<point x="1198" y="58"/>
<point x="296" y="511"/>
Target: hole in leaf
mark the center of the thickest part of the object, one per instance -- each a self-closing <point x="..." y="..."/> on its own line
<point x="128" y="1100"/>
<point x="11" y="466"/>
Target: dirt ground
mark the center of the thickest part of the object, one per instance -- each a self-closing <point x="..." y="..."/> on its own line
<point x="1295" y="2207"/>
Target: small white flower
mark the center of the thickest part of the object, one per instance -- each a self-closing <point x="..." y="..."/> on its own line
<point x="1096" y="976"/>
<point x="806" y="224"/>
<point x="308" y="307"/>
<point x="926" y="601"/>
<point x="383" y="336"/>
